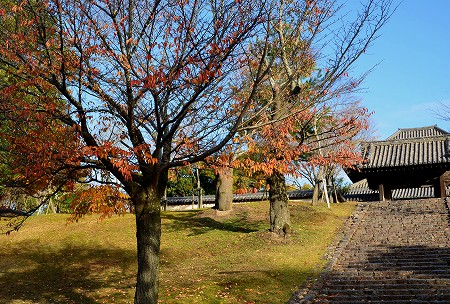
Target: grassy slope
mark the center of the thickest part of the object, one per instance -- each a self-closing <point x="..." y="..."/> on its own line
<point x="205" y="257"/>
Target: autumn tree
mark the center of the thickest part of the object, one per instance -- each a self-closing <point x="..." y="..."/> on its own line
<point x="223" y="167"/>
<point x="231" y="176"/>
<point x="311" y="49"/>
<point x="30" y="171"/>
<point x="334" y="142"/>
<point x="328" y="171"/>
<point x="34" y="159"/>
<point x="149" y="86"/>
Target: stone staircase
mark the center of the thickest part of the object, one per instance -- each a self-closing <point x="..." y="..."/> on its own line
<point x="392" y="252"/>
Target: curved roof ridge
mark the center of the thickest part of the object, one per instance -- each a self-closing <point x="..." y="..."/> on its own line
<point x="406" y="140"/>
<point x="420" y="132"/>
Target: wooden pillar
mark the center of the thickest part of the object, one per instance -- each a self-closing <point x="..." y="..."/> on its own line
<point x="439" y="187"/>
<point x="388" y="193"/>
<point x="381" y="192"/>
<point x="385" y="193"/>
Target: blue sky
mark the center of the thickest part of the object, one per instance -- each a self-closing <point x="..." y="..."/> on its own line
<point x="413" y="74"/>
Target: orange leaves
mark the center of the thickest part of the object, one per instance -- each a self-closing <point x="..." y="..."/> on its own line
<point x="40" y="149"/>
<point x="123" y="166"/>
<point x="95" y="72"/>
<point x="343" y="156"/>
<point x="120" y="159"/>
<point x="122" y="21"/>
<point x="135" y="83"/>
<point x="318" y="136"/>
<point x="16" y="8"/>
<point x="225" y="159"/>
<point x="109" y="153"/>
<point x="214" y="49"/>
<point x="130" y="41"/>
<point x="104" y="200"/>
<point x="205" y="75"/>
<point x="50" y="43"/>
<point x="144" y="153"/>
<point x="158" y="78"/>
<point x="150" y="81"/>
<point x="186" y="143"/>
<point x="104" y="64"/>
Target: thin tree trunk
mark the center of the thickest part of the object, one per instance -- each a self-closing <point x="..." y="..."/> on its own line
<point x="280" y="219"/>
<point x="335" y="197"/>
<point x="199" y="189"/>
<point x="316" y="193"/>
<point x="200" y="198"/>
<point x="224" y="189"/>
<point x="325" y="192"/>
<point x="165" y="199"/>
<point x="317" y="185"/>
<point x="341" y="198"/>
<point x="148" y="235"/>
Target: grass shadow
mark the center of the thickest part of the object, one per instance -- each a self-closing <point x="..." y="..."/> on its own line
<point x="199" y="225"/>
<point x="72" y="274"/>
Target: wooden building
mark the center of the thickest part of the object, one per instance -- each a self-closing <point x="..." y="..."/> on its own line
<point x="410" y="158"/>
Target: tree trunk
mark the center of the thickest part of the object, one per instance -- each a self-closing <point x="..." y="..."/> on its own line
<point x="280" y="219"/>
<point x="316" y="193"/>
<point x="341" y="198"/>
<point x="335" y="192"/>
<point x="148" y="235"/>
<point x="334" y="197"/>
<point x="200" y="198"/>
<point x="317" y="185"/>
<point x="165" y="199"/>
<point x="199" y="189"/>
<point x="224" y="189"/>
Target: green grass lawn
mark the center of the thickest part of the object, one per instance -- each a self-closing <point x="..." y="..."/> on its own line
<point x="205" y="257"/>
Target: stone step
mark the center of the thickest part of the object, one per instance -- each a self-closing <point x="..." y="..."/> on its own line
<point x="376" y="298"/>
<point x="356" y="301"/>
<point x="381" y="267"/>
<point x="395" y="279"/>
<point x="381" y="291"/>
<point x="398" y="252"/>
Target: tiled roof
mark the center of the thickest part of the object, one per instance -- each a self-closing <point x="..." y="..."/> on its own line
<point x="408" y="147"/>
<point x="417" y="133"/>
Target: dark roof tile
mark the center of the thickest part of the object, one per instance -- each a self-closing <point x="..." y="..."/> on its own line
<point x="408" y="147"/>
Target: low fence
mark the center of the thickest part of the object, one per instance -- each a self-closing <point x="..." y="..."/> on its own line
<point x="237" y="198"/>
<point x="361" y="193"/>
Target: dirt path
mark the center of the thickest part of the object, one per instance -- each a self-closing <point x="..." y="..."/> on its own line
<point x="394" y="252"/>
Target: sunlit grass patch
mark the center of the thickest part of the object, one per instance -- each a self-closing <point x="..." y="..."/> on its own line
<point x="234" y="259"/>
